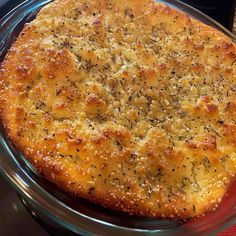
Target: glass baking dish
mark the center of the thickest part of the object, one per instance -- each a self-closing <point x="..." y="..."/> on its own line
<point x="69" y="215"/>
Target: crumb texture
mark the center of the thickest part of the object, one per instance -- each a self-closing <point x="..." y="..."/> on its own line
<point x="130" y="104"/>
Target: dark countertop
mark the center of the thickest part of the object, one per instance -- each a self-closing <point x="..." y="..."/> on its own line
<point x="15" y="220"/>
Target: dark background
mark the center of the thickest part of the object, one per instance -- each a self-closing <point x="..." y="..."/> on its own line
<point x="220" y="10"/>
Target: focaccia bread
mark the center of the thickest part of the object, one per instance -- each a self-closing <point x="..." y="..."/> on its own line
<point x="128" y="103"/>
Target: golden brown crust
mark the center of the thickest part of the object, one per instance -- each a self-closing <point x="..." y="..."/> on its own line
<point x="130" y="104"/>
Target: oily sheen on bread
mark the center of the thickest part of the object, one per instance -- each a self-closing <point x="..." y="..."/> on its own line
<point x="128" y="103"/>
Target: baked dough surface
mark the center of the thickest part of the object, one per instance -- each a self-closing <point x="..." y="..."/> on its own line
<point x="130" y="104"/>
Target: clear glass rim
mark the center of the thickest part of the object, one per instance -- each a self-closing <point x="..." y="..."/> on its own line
<point x="47" y="203"/>
<point x="195" y="13"/>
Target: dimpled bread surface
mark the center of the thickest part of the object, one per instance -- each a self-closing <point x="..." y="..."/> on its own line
<point x="130" y="104"/>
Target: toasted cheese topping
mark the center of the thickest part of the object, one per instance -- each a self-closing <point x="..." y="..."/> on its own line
<point x="130" y="104"/>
